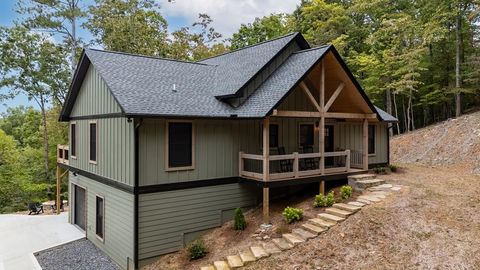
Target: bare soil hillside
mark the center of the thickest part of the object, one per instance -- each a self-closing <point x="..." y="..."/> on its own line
<point x="455" y="142"/>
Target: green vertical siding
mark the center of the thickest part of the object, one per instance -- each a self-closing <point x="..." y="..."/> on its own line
<point x="168" y="219"/>
<point x="115" y="149"/>
<point x="118" y="235"/>
<point x="94" y="97"/>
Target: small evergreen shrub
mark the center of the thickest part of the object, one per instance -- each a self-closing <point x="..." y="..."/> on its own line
<point x="239" y="222"/>
<point x="197" y="250"/>
<point x="292" y="214"/>
<point x="392" y="167"/>
<point x="346" y="191"/>
<point x="324" y="201"/>
<point x="379" y="170"/>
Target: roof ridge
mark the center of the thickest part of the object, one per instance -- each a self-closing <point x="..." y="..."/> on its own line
<point x="249" y="46"/>
<point x="151" y="57"/>
<point x="312" y="49"/>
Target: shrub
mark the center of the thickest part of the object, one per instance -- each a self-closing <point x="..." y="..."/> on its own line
<point x="324" y="201"/>
<point x="346" y="191"/>
<point x="392" y="167"/>
<point x="379" y="170"/>
<point x="239" y="222"/>
<point x="292" y="214"/>
<point x="197" y="250"/>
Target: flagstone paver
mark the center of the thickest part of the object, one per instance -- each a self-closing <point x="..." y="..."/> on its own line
<point x="258" y="252"/>
<point x="221" y="265"/>
<point x="305" y="235"/>
<point x="282" y="243"/>
<point x="313" y="228"/>
<point x="338" y="212"/>
<point x="330" y="217"/>
<point x="234" y="261"/>
<point x="247" y="257"/>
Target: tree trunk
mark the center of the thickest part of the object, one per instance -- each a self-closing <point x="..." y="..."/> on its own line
<point x="405" y="123"/>
<point x="45" y="137"/>
<point x="389" y="109"/>
<point x="412" y="117"/>
<point x="458" y="52"/>
<point x="396" y="112"/>
<point x="409" y="119"/>
<point x="73" y="53"/>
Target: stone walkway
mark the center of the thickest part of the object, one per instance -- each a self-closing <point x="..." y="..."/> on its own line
<point x="374" y="190"/>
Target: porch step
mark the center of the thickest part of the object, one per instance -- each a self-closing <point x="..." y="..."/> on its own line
<point x="271" y="248"/>
<point x="247" y="257"/>
<point x="221" y="265"/>
<point x="322" y="222"/>
<point x="305" y="235"/>
<point x="357" y="204"/>
<point x="364" y="184"/>
<point x="208" y="267"/>
<point x="364" y="176"/>
<point x="378" y="194"/>
<point x="338" y="212"/>
<point x="313" y="228"/>
<point x="330" y="217"/>
<point x="282" y="243"/>
<point x="364" y="201"/>
<point x="234" y="261"/>
<point x="369" y="198"/>
<point x="258" y="252"/>
<point x="292" y="239"/>
<point x="382" y="187"/>
<point x="347" y="207"/>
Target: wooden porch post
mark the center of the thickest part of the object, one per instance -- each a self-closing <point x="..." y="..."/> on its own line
<point x="266" y="169"/>
<point x="321" y="139"/>
<point x="365" y="144"/>
<point x="59" y="182"/>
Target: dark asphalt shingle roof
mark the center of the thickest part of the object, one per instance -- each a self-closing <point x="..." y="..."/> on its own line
<point x="386" y="117"/>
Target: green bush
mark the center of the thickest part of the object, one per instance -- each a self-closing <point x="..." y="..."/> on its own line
<point x="239" y="222"/>
<point x="379" y="170"/>
<point x="292" y="214"/>
<point x="392" y="167"/>
<point x="197" y="250"/>
<point x="346" y="191"/>
<point x="324" y="201"/>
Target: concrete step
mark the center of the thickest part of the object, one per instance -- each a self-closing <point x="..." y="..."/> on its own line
<point x="292" y="239"/>
<point x="347" y="207"/>
<point x="282" y="243"/>
<point x="208" y="267"/>
<point x="322" y="222"/>
<point x="357" y="204"/>
<point x="364" y="176"/>
<point x="247" y="257"/>
<point x="338" y="212"/>
<point x="313" y="228"/>
<point x="234" y="261"/>
<point x="258" y="252"/>
<point x="364" y="184"/>
<point x="369" y="198"/>
<point x="305" y="235"/>
<point x="271" y="248"/>
<point x="330" y="217"/>
<point x="221" y="265"/>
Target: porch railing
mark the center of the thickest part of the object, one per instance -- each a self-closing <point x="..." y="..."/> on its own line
<point x="62" y="154"/>
<point x="290" y="165"/>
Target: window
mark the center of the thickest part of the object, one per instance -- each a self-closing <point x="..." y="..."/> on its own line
<point x="306" y="135"/>
<point x="273" y="141"/>
<point x="93" y="142"/>
<point x="371" y="139"/>
<point x="180" y="145"/>
<point x="99" y="217"/>
<point x="73" y="140"/>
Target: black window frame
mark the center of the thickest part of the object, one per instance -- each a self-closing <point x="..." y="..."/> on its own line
<point x="371" y="139"/>
<point x="73" y="139"/>
<point x="100" y="219"/>
<point x="92" y="147"/>
<point x="186" y="162"/>
<point x="300" y="143"/>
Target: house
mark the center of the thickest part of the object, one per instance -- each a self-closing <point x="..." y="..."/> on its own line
<point x="161" y="150"/>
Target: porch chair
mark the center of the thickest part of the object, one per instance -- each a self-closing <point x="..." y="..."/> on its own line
<point x="285" y="164"/>
<point x="309" y="163"/>
<point x="54" y="207"/>
<point x="35" y="208"/>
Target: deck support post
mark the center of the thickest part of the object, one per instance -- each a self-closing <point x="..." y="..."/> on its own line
<point x="365" y="144"/>
<point x="321" y="139"/>
<point x="59" y="182"/>
<point x="322" y="187"/>
<point x="266" y="168"/>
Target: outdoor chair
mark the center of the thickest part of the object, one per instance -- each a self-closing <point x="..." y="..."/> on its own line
<point x="309" y="163"/>
<point x="285" y="164"/>
<point x="54" y="207"/>
<point x="35" y="208"/>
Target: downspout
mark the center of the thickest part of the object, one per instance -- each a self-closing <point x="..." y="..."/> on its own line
<point x="137" y="124"/>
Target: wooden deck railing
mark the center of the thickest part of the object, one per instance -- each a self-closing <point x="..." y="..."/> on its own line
<point x="62" y="154"/>
<point x="293" y="161"/>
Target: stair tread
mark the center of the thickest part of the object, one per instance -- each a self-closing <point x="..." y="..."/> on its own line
<point x="330" y="217"/>
<point x="370" y="198"/>
<point x="208" y="267"/>
<point x="305" y="235"/>
<point x="221" y="265"/>
<point x="364" y="201"/>
<point x="234" y="261"/>
<point x="359" y="204"/>
<point x="313" y="228"/>
<point x="292" y="239"/>
<point x="362" y="176"/>
<point x="338" y="212"/>
<point x="258" y="252"/>
<point x="271" y="248"/>
<point x="247" y="256"/>
<point x="347" y="207"/>
<point x="322" y="222"/>
<point x="282" y="243"/>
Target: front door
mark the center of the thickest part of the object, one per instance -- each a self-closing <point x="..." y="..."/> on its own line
<point x="329" y="144"/>
<point x="79" y="211"/>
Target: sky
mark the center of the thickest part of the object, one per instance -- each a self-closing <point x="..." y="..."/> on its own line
<point x="227" y="17"/>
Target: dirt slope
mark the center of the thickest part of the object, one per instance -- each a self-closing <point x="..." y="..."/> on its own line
<point x="453" y="142"/>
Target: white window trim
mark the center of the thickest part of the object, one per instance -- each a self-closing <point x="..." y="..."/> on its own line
<point x="76" y="139"/>
<point x="102" y="239"/>
<point x="96" y="144"/>
<point x="184" y="168"/>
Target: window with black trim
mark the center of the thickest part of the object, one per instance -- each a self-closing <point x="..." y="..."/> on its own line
<point x="180" y="144"/>
<point x="93" y="142"/>
<point x="73" y="139"/>
<point x="306" y="134"/>
<point x="371" y="139"/>
<point x="100" y="217"/>
<point x="273" y="140"/>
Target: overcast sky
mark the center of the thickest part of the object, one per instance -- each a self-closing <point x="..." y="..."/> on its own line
<point x="227" y="17"/>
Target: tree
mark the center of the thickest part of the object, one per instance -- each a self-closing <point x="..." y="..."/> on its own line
<point x="23" y="124"/>
<point x="132" y="26"/>
<point x="31" y="64"/>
